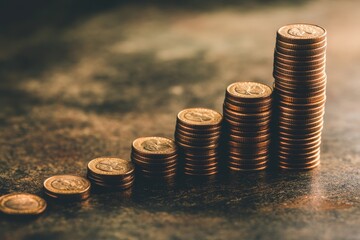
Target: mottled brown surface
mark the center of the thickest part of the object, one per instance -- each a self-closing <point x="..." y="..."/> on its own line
<point x="86" y="87"/>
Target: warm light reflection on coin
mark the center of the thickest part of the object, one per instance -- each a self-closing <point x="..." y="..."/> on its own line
<point x="22" y="204"/>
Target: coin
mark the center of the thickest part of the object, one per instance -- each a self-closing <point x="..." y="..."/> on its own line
<point x="199" y="117"/>
<point x="22" y="204"/>
<point x="249" y="90"/>
<point x="160" y="146"/>
<point x="300" y="46"/>
<point x="111" y="166"/>
<point x="67" y="187"/>
<point x="301" y="33"/>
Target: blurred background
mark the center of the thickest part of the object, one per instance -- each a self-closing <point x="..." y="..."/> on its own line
<point x="125" y="68"/>
<point x="82" y="79"/>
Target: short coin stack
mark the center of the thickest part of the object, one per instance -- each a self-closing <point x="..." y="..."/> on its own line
<point x="247" y="118"/>
<point x="155" y="157"/>
<point x="197" y="134"/>
<point x="111" y="172"/>
<point x="67" y="187"/>
<point x="300" y="81"/>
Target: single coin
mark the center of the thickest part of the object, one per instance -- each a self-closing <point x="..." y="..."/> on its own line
<point x="312" y="58"/>
<point x="111" y="166"/>
<point x="246" y="115"/>
<point x="149" y="146"/>
<point x="248" y="103"/>
<point x="109" y="180"/>
<point x="294" y="67"/>
<point x="290" y="78"/>
<point x="298" y="168"/>
<point x="197" y="147"/>
<point x="302" y="52"/>
<point x="301" y="33"/>
<point x="249" y="90"/>
<point x="202" y="117"/>
<point x="195" y="129"/>
<point x="202" y="134"/>
<point x="201" y="160"/>
<point x="295" y="73"/>
<point x="67" y="185"/>
<point x="158" y="159"/>
<point x="300" y="46"/>
<point x="22" y="204"/>
<point x="255" y="109"/>
<point x="299" y="93"/>
<point x="298" y="62"/>
<point x="236" y="138"/>
<point x="247" y="169"/>
<point x="301" y="88"/>
<point x="151" y="166"/>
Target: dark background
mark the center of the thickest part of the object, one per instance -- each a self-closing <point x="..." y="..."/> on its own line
<point x="82" y="79"/>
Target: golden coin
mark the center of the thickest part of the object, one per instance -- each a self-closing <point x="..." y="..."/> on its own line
<point x="22" y="204"/>
<point x="247" y="169"/>
<point x="298" y="62"/>
<point x="302" y="52"/>
<point x="249" y="90"/>
<point x="154" y="146"/>
<point x="67" y="185"/>
<point x="294" y="73"/>
<point x="296" y="58"/>
<point x="298" y="168"/>
<point x="111" y="166"/>
<point x="199" y="117"/>
<point x="301" y="33"/>
<point x="300" y="46"/>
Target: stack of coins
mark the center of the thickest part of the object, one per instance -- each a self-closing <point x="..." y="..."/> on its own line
<point x="155" y="157"/>
<point x="247" y="118"/>
<point x="111" y="172"/>
<point x="300" y="81"/>
<point x="197" y="134"/>
<point x="22" y="204"/>
<point x="67" y="187"/>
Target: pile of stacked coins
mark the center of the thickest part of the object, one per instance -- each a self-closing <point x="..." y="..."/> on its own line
<point x="247" y="118"/>
<point x="155" y="157"/>
<point x="111" y="172"/>
<point x="300" y="81"/>
<point x="197" y="134"/>
<point x="67" y="187"/>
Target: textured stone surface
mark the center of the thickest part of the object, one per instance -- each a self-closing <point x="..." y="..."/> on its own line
<point x="81" y="84"/>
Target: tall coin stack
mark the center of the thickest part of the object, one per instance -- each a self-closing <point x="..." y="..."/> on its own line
<point x="155" y="158"/>
<point x="247" y="118"/>
<point x="197" y="134"/>
<point x="300" y="81"/>
<point x="111" y="173"/>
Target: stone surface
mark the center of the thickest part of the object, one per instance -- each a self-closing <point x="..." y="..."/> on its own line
<point x="78" y="82"/>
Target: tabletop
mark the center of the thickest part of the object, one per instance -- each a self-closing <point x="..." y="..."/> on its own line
<point x="83" y="80"/>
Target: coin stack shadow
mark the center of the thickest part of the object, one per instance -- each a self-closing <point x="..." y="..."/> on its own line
<point x="111" y="173"/>
<point x="155" y="158"/>
<point x="247" y="118"/>
<point x="198" y="134"/>
<point x="300" y="82"/>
